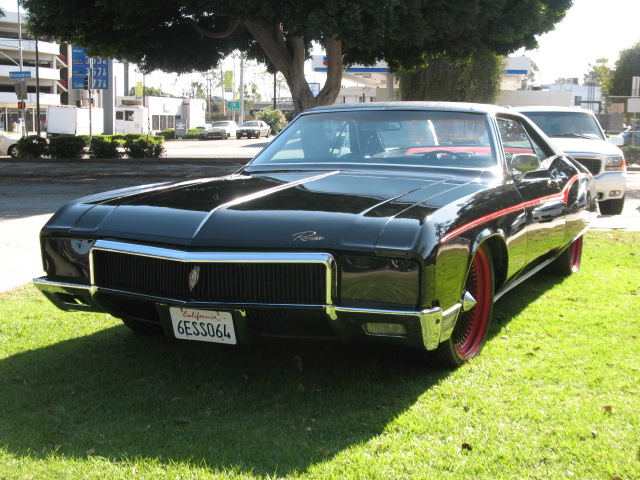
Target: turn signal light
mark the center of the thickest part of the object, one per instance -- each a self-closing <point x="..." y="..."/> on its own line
<point x="386" y="329"/>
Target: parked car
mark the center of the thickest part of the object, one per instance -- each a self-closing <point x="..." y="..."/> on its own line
<point x="395" y="223"/>
<point x="253" y="128"/>
<point x="631" y="137"/>
<point x="222" y="129"/>
<point x="9" y="143"/>
<point x="577" y="132"/>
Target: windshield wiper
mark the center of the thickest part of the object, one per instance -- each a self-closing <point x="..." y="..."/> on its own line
<point x="579" y="135"/>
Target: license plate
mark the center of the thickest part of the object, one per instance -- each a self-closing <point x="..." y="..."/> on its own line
<point x="203" y="325"/>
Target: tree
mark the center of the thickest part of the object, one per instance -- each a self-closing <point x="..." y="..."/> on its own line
<point x="476" y="79"/>
<point x="530" y="79"/>
<point x="627" y="67"/>
<point x="148" y="91"/>
<point x="189" y="35"/>
<point x="600" y="75"/>
<point x="274" y="118"/>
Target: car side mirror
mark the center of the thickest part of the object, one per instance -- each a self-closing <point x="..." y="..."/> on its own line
<point x="525" y="162"/>
<point x="617" y="140"/>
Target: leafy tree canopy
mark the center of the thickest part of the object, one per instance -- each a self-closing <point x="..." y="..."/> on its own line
<point x="188" y="35"/>
<point x="600" y="75"/>
<point x="627" y="67"/>
<point x="476" y="79"/>
<point x="148" y="91"/>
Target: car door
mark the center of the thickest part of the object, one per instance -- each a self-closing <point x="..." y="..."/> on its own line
<point x="541" y="190"/>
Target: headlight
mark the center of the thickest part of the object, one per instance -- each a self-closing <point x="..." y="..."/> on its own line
<point x="366" y="281"/>
<point x="67" y="258"/>
<point x="614" y="163"/>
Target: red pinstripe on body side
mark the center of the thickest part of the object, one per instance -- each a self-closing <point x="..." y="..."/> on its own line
<point x="563" y="196"/>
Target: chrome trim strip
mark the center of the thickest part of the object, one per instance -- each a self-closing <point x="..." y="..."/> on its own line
<point x="42" y="281"/>
<point x="195" y="256"/>
<point x="530" y="274"/>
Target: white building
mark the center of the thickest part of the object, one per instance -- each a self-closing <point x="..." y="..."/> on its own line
<point x="50" y="71"/>
<point x="44" y="63"/>
<point x="160" y="113"/>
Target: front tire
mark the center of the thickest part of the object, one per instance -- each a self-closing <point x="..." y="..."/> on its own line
<point x="13" y="151"/>
<point x="469" y="333"/>
<point x="611" y="207"/>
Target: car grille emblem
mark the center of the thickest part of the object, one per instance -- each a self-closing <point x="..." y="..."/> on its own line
<point x="194" y="275"/>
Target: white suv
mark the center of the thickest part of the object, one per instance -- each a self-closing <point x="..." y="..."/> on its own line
<point x="576" y="132"/>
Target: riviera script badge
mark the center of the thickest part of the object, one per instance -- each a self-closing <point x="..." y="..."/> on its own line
<point x="307" y="236"/>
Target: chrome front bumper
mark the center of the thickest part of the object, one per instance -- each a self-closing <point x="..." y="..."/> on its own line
<point x="423" y="329"/>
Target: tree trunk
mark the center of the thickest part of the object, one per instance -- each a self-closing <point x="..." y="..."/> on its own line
<point x="272" y="41"/>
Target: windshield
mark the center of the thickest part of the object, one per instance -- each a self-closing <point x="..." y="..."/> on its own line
<point x="422" y="137"/>
<point x="251" y="124"/>
<point x="567" y="124"/>
<point x="220" y="124"/>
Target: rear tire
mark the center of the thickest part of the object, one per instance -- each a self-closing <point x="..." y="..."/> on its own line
<point x="13" y="151"/>
<point x="611" y="207"/>
<point x="569" y="261"/>
<point x="469" y="333"/>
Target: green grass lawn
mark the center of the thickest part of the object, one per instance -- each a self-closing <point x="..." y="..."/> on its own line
<point x="555" y="394"/>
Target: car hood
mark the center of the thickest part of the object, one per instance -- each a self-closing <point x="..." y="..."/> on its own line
<point x="583" y="146"/>
<point x="305" y="210"/>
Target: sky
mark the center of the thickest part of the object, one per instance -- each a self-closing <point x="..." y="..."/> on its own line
<point x="592" y="29"/>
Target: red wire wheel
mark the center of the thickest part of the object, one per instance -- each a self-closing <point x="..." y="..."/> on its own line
<point x="568" y="262"/>
<point x="575" y="254"/>
<point x="469" y="333"/>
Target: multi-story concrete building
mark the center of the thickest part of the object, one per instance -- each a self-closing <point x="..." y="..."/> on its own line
<point x="46" y="65"/>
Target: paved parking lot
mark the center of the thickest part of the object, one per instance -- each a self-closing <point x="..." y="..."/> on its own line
<point x="30" y="191"/>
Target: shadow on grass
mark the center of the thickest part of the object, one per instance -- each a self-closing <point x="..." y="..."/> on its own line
<point x="278" y="407"/>
<point x="274" y="407"/>
<point x="518" y="299"/>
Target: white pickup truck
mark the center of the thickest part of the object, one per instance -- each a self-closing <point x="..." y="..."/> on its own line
<point x="576" y="132"/>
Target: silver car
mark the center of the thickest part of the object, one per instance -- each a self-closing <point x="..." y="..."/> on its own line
<point x="222" y="129"/>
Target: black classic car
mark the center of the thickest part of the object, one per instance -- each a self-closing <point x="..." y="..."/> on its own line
<point x="398" y="223"/>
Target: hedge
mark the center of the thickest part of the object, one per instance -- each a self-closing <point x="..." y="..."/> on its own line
<point x="98" y="146"/>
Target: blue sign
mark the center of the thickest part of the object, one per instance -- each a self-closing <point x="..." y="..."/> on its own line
<point x="96" y="68"/>
<point x="19" y="75"/>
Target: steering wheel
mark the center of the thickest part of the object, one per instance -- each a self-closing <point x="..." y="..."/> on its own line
<point x="435" y="153"/>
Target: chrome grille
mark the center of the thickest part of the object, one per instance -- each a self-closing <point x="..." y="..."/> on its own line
<point x="593" y="164"/>
<point x="219" y="282"/>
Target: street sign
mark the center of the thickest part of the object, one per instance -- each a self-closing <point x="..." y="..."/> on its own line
<point x="633" y="105"/>
<point x="95" y="68"/>
<point x="21" y="90"/>
<point x="233" y="106"/>
<point x="19" y="75"/>
<point x="181" y="127"/>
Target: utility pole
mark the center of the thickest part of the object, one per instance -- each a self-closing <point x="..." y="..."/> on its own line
<point x="241" y="88"/>
<point x="24" y="103"/>
<point x="38" y="130"/>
